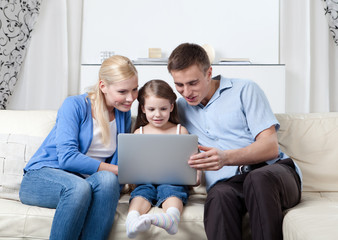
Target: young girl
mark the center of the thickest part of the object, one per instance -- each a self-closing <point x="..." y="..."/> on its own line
<point x="75" y="169"/>
<point x="157" y="114"/>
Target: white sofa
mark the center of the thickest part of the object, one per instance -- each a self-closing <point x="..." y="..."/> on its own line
<point x="310" y="139"/>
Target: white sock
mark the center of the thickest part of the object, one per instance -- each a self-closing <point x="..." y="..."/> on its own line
<point x="136" y="223"/>
<point x="168" y="220"/>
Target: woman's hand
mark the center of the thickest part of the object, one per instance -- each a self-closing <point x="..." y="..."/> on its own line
<point x="108" y="167"/>
<point x="210" y="159"/>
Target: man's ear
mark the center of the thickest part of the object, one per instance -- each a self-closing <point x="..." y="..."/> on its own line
<point x="209" y="72"/>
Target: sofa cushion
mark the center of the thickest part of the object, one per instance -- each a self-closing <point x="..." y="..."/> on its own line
<point x="21" y="133"/>
<point x="29" y="222"/>
<point x="32" y="123"/>
<point x="19" y="221"/>
<point x="15" y="152"/>
<point x="315" y="217"/>
<point x="191" y="224"/>
<point x="312" y="141"/>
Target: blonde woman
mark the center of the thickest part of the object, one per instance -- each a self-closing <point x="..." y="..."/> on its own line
<point x="75" y="169"/>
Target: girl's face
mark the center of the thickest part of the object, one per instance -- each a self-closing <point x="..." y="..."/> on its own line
<point x="120" y="95"/>
<point x="157" y="110"/>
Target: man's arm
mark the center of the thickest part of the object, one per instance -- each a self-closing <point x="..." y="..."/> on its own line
<point x="264" y="148"/>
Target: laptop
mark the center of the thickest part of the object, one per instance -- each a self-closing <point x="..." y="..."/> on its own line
<point x="156" y="158"/>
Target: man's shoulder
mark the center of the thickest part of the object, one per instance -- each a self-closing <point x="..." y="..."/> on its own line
<point x="181" y="102"/>
<point x="242" y="81"/>
<point x="226" y="82"/>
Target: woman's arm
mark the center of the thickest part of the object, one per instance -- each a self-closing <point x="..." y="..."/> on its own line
<point x="70" y="128"/>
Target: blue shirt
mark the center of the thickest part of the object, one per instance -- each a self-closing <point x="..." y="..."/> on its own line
<point x="69" y="140"/>
<point x="237" y="112"/>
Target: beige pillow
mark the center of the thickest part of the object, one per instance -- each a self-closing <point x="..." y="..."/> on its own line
<point x="311" y="140"/>
<point x="15" y="152"/>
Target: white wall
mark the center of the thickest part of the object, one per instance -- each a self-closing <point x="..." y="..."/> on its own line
<point x="243" y="28"/>
<point x="235" y="29"/>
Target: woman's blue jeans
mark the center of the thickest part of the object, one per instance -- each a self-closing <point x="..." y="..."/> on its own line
<point x="85" y="208"/>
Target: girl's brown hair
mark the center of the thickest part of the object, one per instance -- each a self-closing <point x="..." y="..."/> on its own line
<point x="160" y="89"/>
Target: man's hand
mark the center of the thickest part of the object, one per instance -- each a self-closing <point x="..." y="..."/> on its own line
<point x="209" y="159"/>
<point x="264" y="148"/>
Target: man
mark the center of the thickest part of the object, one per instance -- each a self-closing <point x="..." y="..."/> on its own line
<point x="244" y="169"/>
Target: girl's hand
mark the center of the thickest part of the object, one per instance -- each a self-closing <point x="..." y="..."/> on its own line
<point x="210" y="159"/>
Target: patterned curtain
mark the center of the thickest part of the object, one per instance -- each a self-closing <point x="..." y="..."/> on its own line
<point x="17" y="19"/>
<point x="331" y="11"/>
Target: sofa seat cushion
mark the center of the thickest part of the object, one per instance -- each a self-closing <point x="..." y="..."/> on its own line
<point x="18" y="221"/>
<point x="315" y="217"/>
<point x="191" y="225"/>
<point x="22" y="221"/>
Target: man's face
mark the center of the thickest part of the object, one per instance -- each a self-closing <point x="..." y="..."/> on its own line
<point x="193" y="85"/>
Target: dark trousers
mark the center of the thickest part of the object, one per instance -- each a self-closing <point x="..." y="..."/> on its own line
<point x="264" y="193"/>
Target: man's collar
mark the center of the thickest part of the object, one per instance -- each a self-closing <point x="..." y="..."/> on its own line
<point x="224" y="82"/>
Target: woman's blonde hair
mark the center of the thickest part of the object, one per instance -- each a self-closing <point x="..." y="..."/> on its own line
<point x="114" y="69"/>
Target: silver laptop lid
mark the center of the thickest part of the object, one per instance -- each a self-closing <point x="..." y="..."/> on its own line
<point x="156" y="158"/>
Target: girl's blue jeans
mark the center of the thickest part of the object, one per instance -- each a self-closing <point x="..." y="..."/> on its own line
<point x="85" y="208"/>
<point x="157" y="194"/>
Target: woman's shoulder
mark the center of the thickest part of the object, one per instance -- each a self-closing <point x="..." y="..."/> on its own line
<point x="77" y="99"/>
<point x="76" y="103"/>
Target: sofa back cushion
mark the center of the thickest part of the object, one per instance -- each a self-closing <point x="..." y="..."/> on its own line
<point x="21" y="133"/>
<point x="311" y="140"/>
<point x="15" y="152"/>
<point x="31" y="123"/>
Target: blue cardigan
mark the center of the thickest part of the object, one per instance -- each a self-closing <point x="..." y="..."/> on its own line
<point x="69" y="140"/>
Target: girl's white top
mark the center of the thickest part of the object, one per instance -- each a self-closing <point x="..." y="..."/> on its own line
<point x="177" y="129"/>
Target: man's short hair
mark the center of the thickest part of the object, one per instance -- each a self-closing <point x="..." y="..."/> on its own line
<point x="187" y="55"/>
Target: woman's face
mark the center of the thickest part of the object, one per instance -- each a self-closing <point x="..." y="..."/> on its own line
<point x="120" y="95"/>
